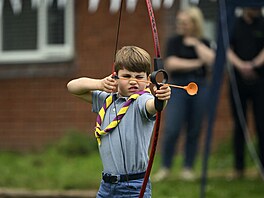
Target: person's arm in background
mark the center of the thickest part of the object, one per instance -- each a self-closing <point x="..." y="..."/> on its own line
<point x="205" y="53"/>
<point x="258" y="61"/>
<point x="244" y="67"/>
<point x="173" y="63"/>
<point x="235" y="60"/>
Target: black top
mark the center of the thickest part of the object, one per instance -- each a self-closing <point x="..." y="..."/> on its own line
<point x="247" y="40"/>
<point x="176" y="47"/>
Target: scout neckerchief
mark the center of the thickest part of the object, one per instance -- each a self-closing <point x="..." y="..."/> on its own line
<point x="98" y="131"/>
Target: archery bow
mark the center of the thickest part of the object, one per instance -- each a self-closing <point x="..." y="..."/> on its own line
<point x="158" y="66"/>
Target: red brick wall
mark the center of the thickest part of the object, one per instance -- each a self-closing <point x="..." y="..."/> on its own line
<point x="36" y="111"/>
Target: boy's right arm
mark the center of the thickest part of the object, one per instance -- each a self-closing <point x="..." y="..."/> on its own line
<point x="83" y="87"/>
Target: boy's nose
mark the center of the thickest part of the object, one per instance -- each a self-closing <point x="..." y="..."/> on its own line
<point x="132" y="80"/>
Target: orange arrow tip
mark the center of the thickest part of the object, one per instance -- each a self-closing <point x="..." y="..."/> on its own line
<point x="191" y="88"/>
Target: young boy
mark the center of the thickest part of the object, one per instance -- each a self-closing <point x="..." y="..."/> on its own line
<point x="124" y="146"/>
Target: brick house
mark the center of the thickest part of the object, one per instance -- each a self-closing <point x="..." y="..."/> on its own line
<point x="35" y="105"/>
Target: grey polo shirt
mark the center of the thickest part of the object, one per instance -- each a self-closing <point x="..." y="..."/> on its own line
<point x="134" y="130"/>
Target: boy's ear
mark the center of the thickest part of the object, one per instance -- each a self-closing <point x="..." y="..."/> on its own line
<point x="149" y="79"/>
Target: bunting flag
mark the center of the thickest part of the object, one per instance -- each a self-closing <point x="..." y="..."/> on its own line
<point x="109" y="100"/>
<point x="17" y="4"/>
<point x="62" y="3"/>
<point x="1" y="7"/>
<point x="35" y="3"/>
<point x="130" y="5"/>
<point x="92" y="5"/>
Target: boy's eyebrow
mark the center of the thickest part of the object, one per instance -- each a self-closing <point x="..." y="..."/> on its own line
<point x="136" y="76"/>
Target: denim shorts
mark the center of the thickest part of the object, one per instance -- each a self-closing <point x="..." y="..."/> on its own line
<point x="123" y="189"/>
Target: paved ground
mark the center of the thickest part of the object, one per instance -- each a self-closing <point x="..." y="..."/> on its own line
<point x="22" y="193"/>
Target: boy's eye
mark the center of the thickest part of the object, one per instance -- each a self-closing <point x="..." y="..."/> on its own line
<point x="127" y="76"/>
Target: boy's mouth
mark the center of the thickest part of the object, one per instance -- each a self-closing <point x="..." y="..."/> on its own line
<point x="133" y="89"/>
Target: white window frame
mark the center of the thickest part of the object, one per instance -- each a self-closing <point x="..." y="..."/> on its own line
<point x="45" y="52"/>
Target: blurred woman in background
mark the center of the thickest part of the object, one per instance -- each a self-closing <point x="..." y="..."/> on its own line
<point x="188" y="59"/>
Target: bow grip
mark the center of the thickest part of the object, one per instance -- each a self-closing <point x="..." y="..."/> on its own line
<point x="153" y="79"/>
<point x="158" y="64"/>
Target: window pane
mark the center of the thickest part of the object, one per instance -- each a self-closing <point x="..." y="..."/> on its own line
<point x="19" y="30"/>
<point x="55" y="24"/>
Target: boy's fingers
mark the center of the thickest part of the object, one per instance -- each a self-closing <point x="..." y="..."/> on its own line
<point x="165" y="86"/>
<point x="110" y="82"/>
<point x="163" y="90"/>
<point x="110" y="86"/>
<point x="163" y="93"/>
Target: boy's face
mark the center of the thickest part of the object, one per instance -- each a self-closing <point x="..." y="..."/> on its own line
<point x="128" y="84"/>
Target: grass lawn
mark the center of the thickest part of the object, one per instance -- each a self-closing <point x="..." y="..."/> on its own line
<point x="57" y="169"/>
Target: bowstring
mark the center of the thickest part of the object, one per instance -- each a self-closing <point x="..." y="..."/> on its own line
<point x="117" y="33"/>
<point x="114" y="98"/>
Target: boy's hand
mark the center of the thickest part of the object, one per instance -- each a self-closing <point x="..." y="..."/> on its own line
<point x="108" y="84"/>
<point x="163" y="93"/>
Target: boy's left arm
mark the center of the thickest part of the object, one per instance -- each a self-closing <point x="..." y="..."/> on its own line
<point x="163" y="94"/>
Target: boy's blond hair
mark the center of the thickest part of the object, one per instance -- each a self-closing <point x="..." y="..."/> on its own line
<point x="133" y="59"/>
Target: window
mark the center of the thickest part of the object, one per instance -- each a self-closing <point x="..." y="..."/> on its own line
<point x="37" y="34"/>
